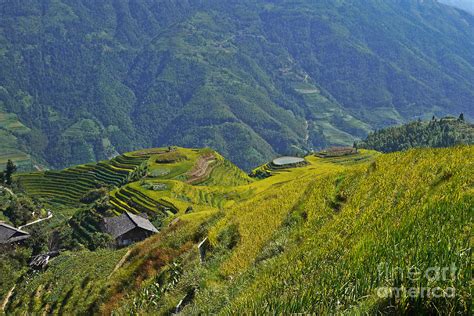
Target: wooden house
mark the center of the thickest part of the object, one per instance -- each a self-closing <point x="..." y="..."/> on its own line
<point x="128" y="228"/>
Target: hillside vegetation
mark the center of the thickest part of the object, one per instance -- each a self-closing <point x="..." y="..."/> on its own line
<point x="324" y="238"/>
<point x="445" y="132"/>
<point x="251" y="79"/>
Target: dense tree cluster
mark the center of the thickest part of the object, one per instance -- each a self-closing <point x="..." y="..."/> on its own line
<point x="435" y="133"/>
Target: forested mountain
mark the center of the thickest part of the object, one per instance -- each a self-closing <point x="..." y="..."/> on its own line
<point x="87" y="79"/>
<point x="436" y="133"/>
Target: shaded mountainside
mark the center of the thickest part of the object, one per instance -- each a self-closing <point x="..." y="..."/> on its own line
<point x="248" y="78"/>
<point x="320" y="231"/>
<point x="445" y="132"/>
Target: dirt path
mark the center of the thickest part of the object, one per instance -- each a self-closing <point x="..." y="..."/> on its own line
<point x="121" y="262"/>
<point x="7" y="298"/>
<point x="50" y="215"/>
<point x="202" y="169"/>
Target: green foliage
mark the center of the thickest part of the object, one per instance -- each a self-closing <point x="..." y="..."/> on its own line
<point x="20" y="210"/>
<point x="314" y="233"/>
<point x="12" y="264"/>
<point x="72" y="283"/>
<point x="7" y="175"/>
<point x="445" y="132"/>
<point x="39" y="241"/>
<point x="93" y="195"/>
<point x="86" y="230"/>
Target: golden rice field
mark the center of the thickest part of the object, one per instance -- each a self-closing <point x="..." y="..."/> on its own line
<point x="336" y="236"/>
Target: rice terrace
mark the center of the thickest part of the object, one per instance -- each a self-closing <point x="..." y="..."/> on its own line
<point x="250" y="157"/>
<point x="314" y="206"/>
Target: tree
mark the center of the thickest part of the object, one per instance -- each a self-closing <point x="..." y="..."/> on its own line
<point x="9" y="171"/>
<point x="39" y="240"/>
<point x="20" y="211"/>
<point x="461" y="117"/>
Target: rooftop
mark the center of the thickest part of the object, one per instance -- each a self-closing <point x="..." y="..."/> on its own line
<point x="120" y="225"/>
<point x="9" y="234"/>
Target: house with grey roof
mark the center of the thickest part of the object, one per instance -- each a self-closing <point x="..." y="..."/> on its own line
<point x="128" y="228"/>
<point x="10" y="234"/>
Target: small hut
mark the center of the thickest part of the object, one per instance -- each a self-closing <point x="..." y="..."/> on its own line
<point x="128" y="228"/>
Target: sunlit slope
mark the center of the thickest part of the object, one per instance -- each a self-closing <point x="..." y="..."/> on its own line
<point x="194" y="167"/>
<point x="312" y="239"/>
<point x="168" y="184"/>
<point x="404" y="210"/>
<point x="304" y="240"/>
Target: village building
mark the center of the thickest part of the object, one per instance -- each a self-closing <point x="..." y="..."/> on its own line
<point x="10" y="234"/>
<point x="128" y="228"/>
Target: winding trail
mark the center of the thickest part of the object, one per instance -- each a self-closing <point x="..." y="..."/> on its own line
<point x="7" y="298"/>
<point x="50" y="215"/>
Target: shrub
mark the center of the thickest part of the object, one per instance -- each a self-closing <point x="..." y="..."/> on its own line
<point x="94" y="195"/>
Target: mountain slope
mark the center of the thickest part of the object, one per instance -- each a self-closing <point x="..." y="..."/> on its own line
<point x="445" y="132"/>
<point x="248" y="78"/>
<point x="337" y="231"/>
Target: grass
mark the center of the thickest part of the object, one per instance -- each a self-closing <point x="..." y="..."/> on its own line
<point x="317" y="249"/>
<point x="331" y="258"/>
<point x="303" y="240"/>
<point x="73" y="281"/>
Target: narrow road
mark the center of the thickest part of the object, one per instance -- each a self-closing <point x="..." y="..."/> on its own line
<point x="50" y="214"/>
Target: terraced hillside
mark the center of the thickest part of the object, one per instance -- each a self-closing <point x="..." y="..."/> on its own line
<point x="178" y="180"/>
<point x="70" y="185"/>
<point x="307" y="239"/>
<point x="10" y="146"/>
<point x="196" y="167"/>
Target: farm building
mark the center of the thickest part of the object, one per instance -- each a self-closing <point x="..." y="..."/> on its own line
<point x="129" y="228"/>
<point x="10" y="234"/>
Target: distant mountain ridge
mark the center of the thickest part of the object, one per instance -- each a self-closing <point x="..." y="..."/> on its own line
<point x="467" y="5"/>
<point x="248" y="78"/>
